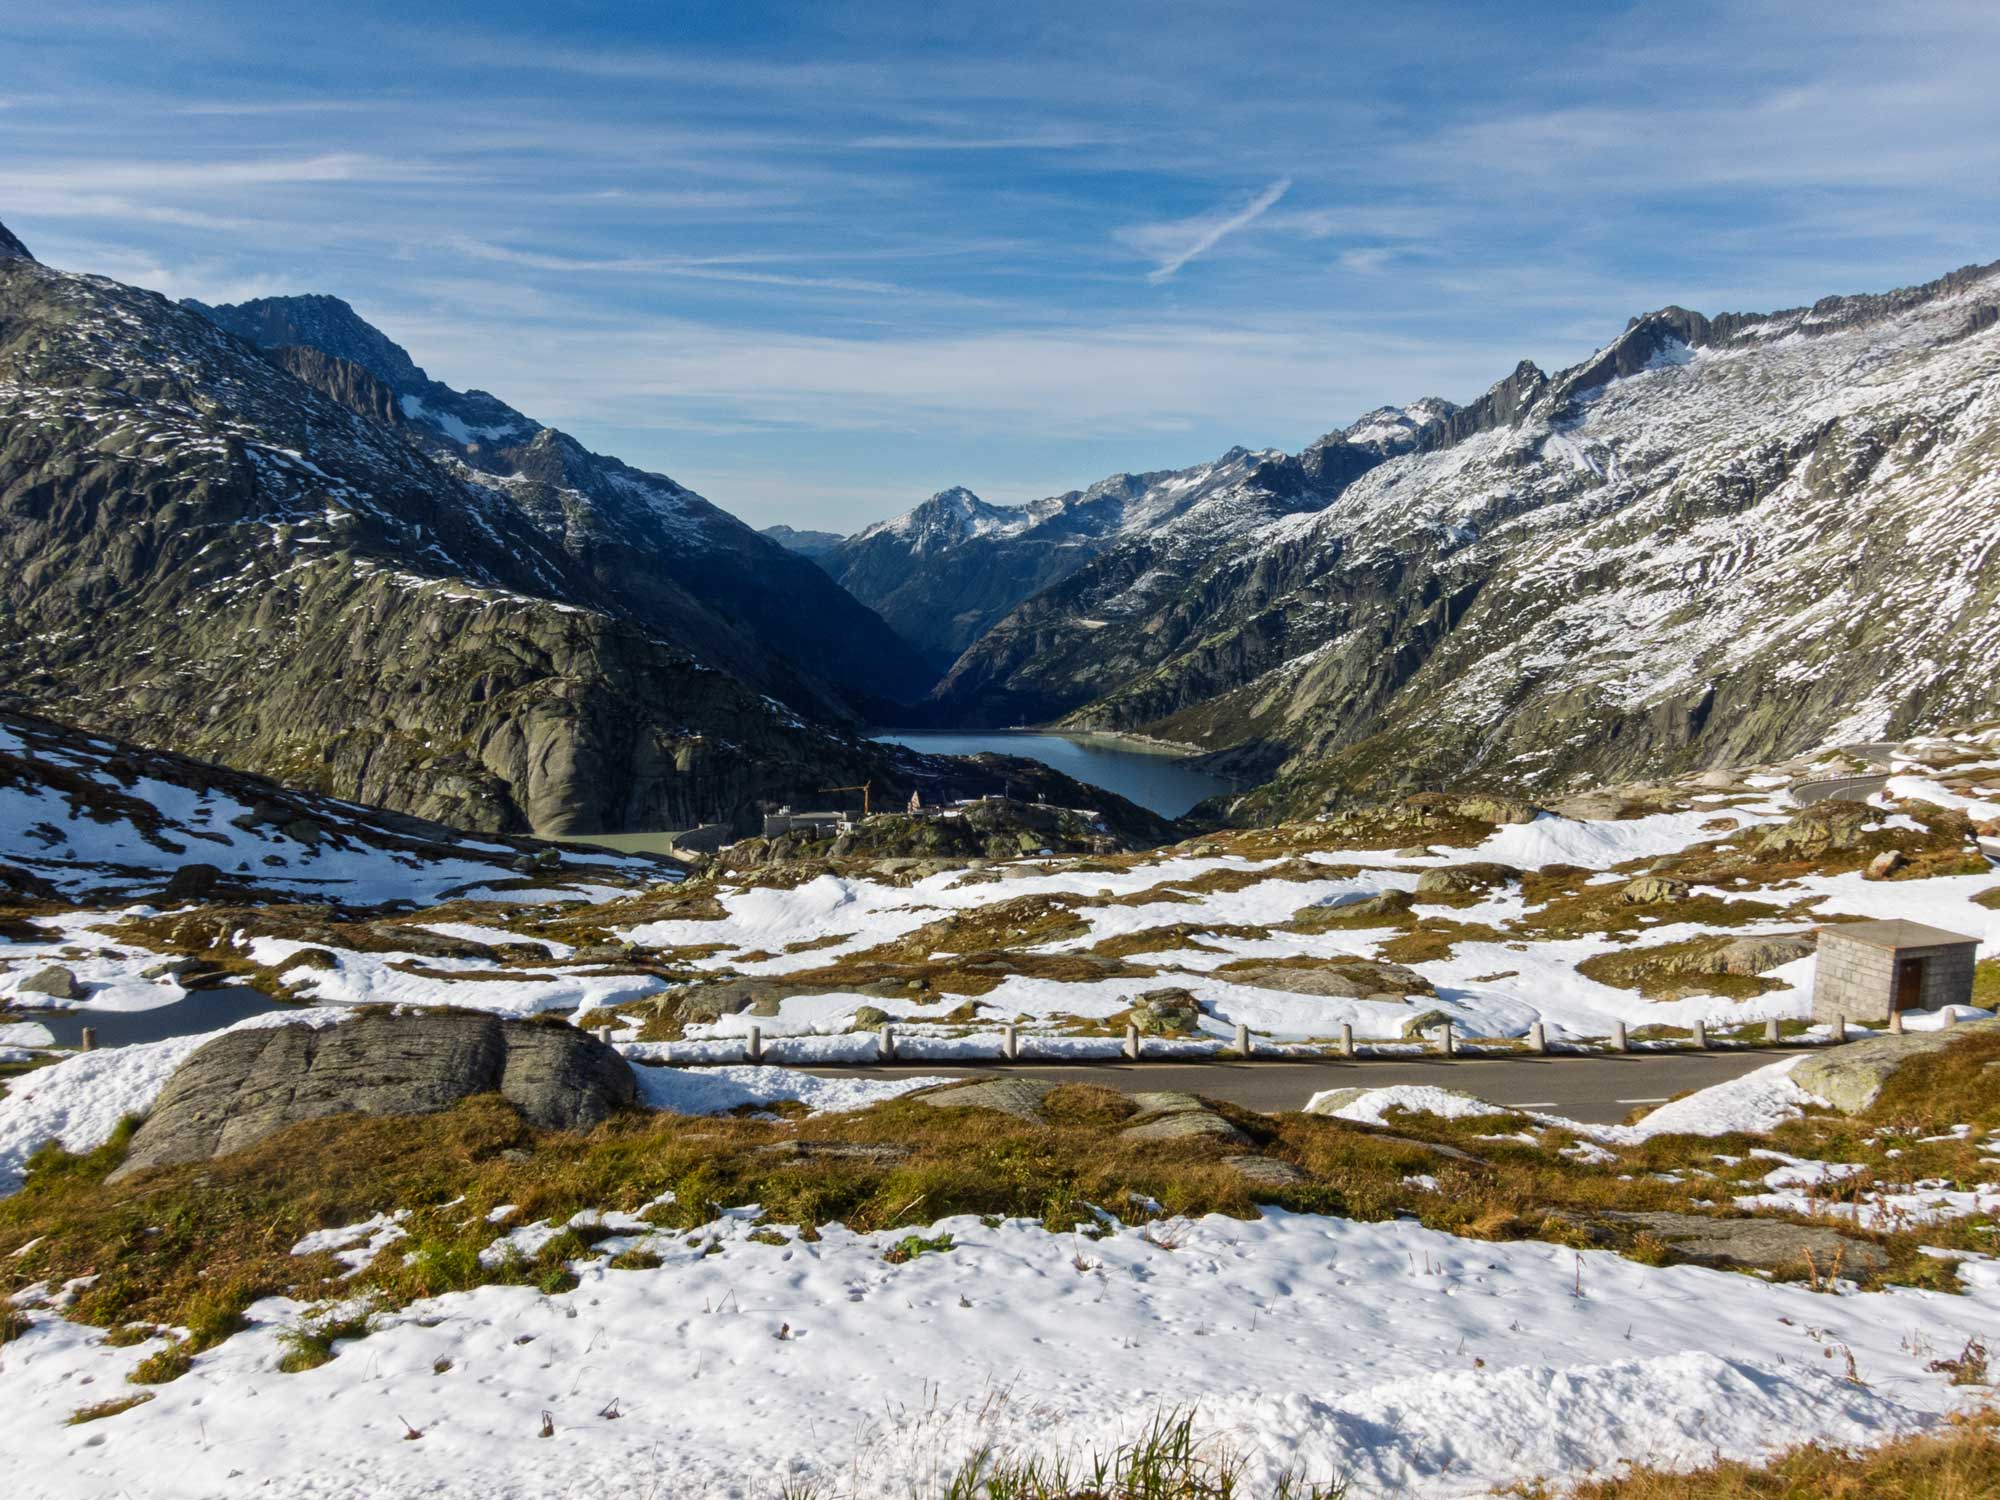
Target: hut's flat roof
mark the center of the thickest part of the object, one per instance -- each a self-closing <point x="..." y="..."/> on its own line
<point x="1895" y="933"/>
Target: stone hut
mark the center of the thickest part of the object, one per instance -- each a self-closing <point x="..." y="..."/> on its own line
<point x="1867" y="971"/>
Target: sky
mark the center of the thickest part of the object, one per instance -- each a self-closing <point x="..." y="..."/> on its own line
<point x="819" y="261"/>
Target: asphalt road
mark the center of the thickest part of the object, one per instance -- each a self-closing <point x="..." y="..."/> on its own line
<point x="1849" y="788"/>
<point x="1839" y="789"/>
<point x="1598" y="1090"/>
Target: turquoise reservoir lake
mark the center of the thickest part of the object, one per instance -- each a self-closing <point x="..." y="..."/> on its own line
<point x="1158" y="780"/>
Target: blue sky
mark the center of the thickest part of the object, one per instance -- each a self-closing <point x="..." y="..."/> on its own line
<point x="818" y="261"/>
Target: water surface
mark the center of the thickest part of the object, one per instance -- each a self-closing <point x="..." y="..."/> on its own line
<point x="1157" y="779"/>
<point x="202" y="1010"/>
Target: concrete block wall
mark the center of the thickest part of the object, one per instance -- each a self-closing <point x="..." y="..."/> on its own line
<point x="1948" y="976"/>
<point x="1858" y="980"/>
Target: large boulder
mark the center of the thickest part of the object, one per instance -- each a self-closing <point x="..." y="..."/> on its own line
<point x="1166" y="1116"/>
<point x="56" y="982"/>
<point x="1474" y="877"/>
<point x="1817" y="830"/>
<point x="1651" y="890"/>
<point x="1885" y="865"/>
<point x="1020" y="1097"/>
<point x="1760" y="955"/>
<point x="1423" y="1023"/>
<point x="1498" y="809"/>
<point x="1169" y="1012"/>
<point x="192" y="882"/>
<point x="1850" y="1078"/>
<point x="244" y="1085"/>
<point x="1388" y="906"/>
<point x="1347" y="977"/>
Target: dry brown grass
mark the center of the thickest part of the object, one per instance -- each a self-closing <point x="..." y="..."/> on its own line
<point x="190" y="1247"/>
<point x="1958" y="1461"/>
<point x="1176" y="935"/>
<point x="1435" y="937"/>
<point x="105" y="1409"/>
<point x="1986" y="983"/>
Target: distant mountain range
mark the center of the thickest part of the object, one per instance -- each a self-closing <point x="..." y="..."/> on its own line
<point x="1714" y="541"/>
<point x="805" y="543"/>
<point x="1717" y="540"/>
<point x="946" y="572"/>
<point x="260" y="534"/>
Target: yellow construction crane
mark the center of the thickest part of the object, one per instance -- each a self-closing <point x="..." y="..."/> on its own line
<point x="863" y="789"/>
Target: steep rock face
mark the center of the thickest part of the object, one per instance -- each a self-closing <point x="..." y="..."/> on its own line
<point x="200" y="550"/>
<point x="246" y="1085"/>
<point x="738" y="597"/>
<point x="1718" y="540"/>
<point x="11" y="247"/>
<point x="340" y="380"/>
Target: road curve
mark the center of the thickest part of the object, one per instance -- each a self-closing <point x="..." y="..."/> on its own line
<point x="1848" y="788"/>
<point x="1600" y="1090"/>
<point x="1838" y="789"/>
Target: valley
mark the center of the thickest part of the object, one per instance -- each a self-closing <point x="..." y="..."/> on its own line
<point x="484" y="1012"/>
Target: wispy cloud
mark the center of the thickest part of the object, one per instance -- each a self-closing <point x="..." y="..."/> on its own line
<point x="1174" y="245"/>
<point x="249" y="107"/>
<point x="701" y="269"/>
<point x="870" y="242"/>
<point x="1040" y="140"/>
<point x="1365" y="260"/>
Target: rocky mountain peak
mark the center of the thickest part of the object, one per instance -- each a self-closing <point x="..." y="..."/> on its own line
<point x="1667" y="337"/>
<point x="949" y="517"/>
<point x="1390" y="430"/>
<point x="958" y="497"/>
<point x="324" y="323"/>
<point x="10" y="247"/>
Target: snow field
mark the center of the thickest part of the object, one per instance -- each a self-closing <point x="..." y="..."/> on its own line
<point x="1411" y="1361"/>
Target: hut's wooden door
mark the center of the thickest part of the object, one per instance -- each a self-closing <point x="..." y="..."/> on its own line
<point x="1909" y="983"/>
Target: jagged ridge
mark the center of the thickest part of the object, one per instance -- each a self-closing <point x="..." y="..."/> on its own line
<point x="1716" y="540"/>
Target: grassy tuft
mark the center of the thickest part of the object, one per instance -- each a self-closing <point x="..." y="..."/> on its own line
<point x="105" y="1409"/>
<point x="310" y="1345"/>
<point x="1165" y="1462"/>
<point x="1958" y="1461"/>
<point x="911" y="1246"/>
<point x="166" y="1364"/>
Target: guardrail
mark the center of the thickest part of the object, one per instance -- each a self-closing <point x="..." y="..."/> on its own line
<point x="1837" y="789"/>
<point x="1443" y="1042"/>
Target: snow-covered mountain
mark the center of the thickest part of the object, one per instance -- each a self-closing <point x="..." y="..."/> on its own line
<point x="945" y="572"/>
<point x="1713" y="540"/>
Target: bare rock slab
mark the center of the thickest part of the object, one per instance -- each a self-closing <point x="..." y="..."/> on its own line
<point x="1850" y="1078"/>
<point x="1019" y="1097"/>
<point x="1165" y="1116"/>
<point x="245" y="1085"/>
<point x="1265" y="1174"/>
<point x="1756" y="1244"/>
